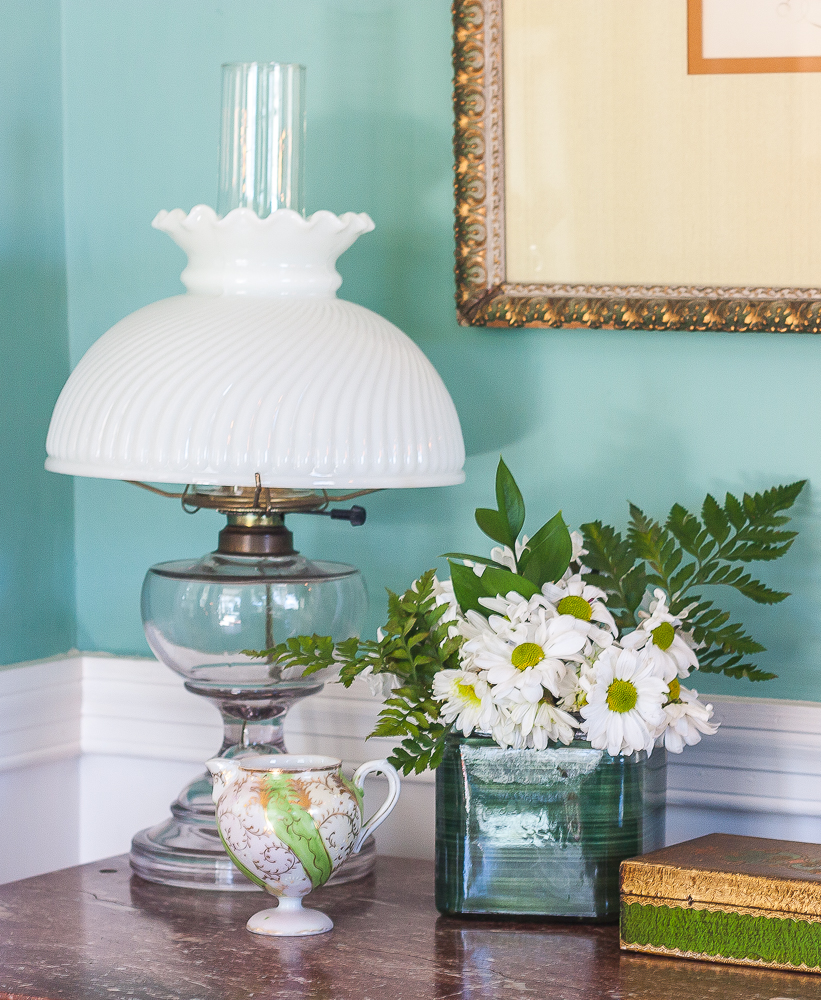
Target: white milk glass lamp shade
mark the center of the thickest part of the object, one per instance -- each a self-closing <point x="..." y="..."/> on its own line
<point x="258" y="369"/>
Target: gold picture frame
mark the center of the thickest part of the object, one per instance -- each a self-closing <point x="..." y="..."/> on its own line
<point x="490" y="293"/>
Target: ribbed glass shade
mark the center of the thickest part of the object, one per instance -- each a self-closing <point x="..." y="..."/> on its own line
<point x="258" y="369"/>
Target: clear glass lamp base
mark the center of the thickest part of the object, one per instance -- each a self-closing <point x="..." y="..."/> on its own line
<point x="185" y="850"/>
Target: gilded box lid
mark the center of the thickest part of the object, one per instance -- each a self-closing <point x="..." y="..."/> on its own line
<point x="726" y="870"/>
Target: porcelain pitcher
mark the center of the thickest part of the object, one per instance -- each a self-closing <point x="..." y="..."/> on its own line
<point x="288" y="822"/>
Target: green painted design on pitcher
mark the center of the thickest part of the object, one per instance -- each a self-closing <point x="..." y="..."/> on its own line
<point x="286" y="805"/>
<point x="357" y="793"/>
<point x="251" y="876"/>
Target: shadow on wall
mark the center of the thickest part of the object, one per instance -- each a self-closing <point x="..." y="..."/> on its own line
<point x="36" y="544"/>
<point x="485" y="377"/>
<point x="398" y="170"/>
<point x="36" y="551"/>
<point x="404" y="269"/>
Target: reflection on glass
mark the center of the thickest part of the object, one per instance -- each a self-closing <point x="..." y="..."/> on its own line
<point x="262" y="159"/>
<point x="542" y="832"/>
<point x="476" y="963"/>
<point x="200" y="615"/>
<point x="230" y="605"/>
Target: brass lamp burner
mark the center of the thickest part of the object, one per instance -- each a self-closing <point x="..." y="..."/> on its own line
<point x="256" y="514"/>
<point x="257" y="499"/>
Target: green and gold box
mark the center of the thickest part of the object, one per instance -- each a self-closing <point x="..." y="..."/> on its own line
<point x="722" y="898"/>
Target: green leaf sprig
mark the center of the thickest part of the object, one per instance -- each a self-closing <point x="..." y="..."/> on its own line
<point x="681" y="555"/>
<point x="544" y="559"/>
<point x="413" y="648"/>
<point x="686" y="553"/>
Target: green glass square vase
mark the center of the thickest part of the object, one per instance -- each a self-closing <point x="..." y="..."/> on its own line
<point x="541" y="833"/>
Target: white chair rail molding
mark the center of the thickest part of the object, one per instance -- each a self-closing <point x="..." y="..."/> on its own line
<point x="94" y="746"/>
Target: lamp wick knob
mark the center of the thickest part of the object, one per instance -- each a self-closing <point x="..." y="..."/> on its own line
<point x="356" y="515"/>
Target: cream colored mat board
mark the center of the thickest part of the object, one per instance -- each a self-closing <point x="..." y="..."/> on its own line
<point x="620" y="168"/>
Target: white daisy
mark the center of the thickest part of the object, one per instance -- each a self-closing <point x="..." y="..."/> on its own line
<point x="576" y="567"/>
<point x="506" y="732"/>
<point x="659" y="634"/>
<point x="685" y="719"/>
<point x="541" y="722"/>
<point x="575" y="686"/>
<point x="474" y="626"/>
<point x="584" y="603"/>
<point x="501" y="554"/>
<point x="624" y="704"/>
<point x="467" y="700"/>
<point x="444" y="594"/>
<point x="477" y="629"/>
<point x="512" y="609"/>
<point x="469" y="626"/>
<point x="527" y="657"/>
<point x="504" y="555"/>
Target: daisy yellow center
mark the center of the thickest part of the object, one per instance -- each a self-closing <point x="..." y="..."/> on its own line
<point x="467" y="692"/>
<point x="674" y="689"/>
<point x="526" y="654"/>
<point x="622" y="696"/>
<point x="576" y="606"/>
<point x="663" y="635"/>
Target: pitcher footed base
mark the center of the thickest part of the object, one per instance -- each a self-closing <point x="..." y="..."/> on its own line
<point x="289" y="919"/>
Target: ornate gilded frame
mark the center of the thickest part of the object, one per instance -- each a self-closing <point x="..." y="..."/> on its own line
<point x="483" y="295"/>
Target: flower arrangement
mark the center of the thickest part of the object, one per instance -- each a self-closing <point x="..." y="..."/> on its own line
<point x="564" y="635"/>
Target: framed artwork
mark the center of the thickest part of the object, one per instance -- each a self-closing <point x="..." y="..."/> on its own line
<point x="653" y="164"/>
<point x="754" y="36"/>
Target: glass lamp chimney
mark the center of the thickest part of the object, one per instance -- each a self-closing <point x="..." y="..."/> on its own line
<point x="262" y="141"/>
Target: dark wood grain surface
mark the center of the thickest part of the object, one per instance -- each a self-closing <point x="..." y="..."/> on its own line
<point x="95" y="931"/>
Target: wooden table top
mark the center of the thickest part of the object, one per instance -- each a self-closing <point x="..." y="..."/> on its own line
<point x="96" y="931"/>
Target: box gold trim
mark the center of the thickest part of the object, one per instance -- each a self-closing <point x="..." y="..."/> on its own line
<point x="729" y="870"/>
<point x="755" y="901"/>
<point x="725" y="889"/>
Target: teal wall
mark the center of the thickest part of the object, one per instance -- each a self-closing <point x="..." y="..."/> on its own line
<point x="36" y="541"/>
<point x="586" y="420"/>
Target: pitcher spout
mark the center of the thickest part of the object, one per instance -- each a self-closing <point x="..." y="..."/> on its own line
<point x="224" y="771"/>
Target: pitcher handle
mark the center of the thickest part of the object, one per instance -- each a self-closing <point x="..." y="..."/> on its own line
<point x="382" y="813"/>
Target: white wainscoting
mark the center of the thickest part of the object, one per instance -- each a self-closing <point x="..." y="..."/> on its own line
<point x="94" y="747"/>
